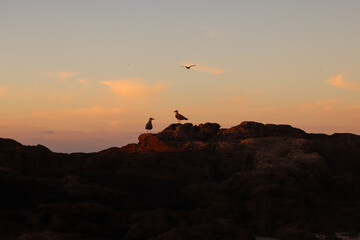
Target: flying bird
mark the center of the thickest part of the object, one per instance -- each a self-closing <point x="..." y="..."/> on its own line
<point x="179" y="117"/>
<point x="149" y="125"/>
<point x="189" y="66"/>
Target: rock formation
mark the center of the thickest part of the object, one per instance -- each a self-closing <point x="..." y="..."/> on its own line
<point x="186" y="182"/>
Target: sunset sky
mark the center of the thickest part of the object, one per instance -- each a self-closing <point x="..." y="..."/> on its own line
<point x="85" y="75"/>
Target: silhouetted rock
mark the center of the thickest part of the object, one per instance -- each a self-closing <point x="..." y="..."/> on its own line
<point x="50" y="236"/>
<point x="254" y="129"/>
<point x="186" y="182"/>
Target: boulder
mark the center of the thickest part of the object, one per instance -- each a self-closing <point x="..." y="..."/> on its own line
<point x="185" y="182"/>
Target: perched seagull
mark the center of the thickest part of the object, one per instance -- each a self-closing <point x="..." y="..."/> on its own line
<point x="188" y="67"/>
<point x="179" y="117"/>
<point x="149" y="126"/>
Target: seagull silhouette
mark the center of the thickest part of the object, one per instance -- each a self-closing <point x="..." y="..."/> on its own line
<point x="179" y="117"/>
<point x="188" y="67"/>
<point x="149" y="126"/>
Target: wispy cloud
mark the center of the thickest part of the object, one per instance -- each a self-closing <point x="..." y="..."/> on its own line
<point x="210" y="33"/>
<point x="320" y="106"/>
<point x="61" y="75"/>
<point x="93" y="118"/>
<point x="335" y="111"/>
<point x="82" y="81"/>
<point x="97" y="111"/>
<point x="338" y="81"/>
<point x="235" y="97"/>
<point x="134" y="88"/>
<point x="203" y="68"/>
<point x="239" y="100"/>
<point x="35" y="93"/>
<point x="115" y="123"/>
<point x="48" y="132"/>
<point x="3" y="90"/>
<point x="213" y="33"/>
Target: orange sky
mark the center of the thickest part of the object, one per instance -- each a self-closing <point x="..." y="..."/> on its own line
<point x="77" y="77"/>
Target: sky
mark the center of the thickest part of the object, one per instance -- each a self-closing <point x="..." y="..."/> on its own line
<point x="86" y="75"/>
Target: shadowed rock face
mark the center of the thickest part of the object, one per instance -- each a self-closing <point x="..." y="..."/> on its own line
<point x="254" y="130"/>
<point x="180" y="137"/>
<point x="186" y="182"/>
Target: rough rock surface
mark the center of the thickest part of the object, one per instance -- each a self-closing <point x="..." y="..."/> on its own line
<point x="186" y="182"/>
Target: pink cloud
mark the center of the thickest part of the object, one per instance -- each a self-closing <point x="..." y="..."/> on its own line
<point x="97" y="111"/>
<point x="61" y="75"/>
<point x="241" y="97"/>
<point x="89" y="113"/>
<point x="239" y="100"/>
<point x="134" y="88"/>
<point x="338" y="81"/>
<point x="214" y="33"/>
<point x="320" y="106"/>
<point x="82" y="81"/>
<point x="3" y="90"/>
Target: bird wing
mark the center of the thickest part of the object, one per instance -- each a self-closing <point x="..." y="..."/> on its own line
<point x="148" y="125"/>
<point x="192" y="65"/>
<point x="182" y="117"/>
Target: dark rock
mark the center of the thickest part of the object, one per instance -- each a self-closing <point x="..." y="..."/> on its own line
<point x="254" y="129"/>
<point x="8" y="144"/>
<point x="49" y="236"/>
<point x="186" y="182"/>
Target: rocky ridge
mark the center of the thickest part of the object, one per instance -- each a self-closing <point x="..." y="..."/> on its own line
<point x="186" y="182"/>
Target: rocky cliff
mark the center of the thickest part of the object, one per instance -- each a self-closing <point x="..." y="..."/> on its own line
<point x="186" y="182"/>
